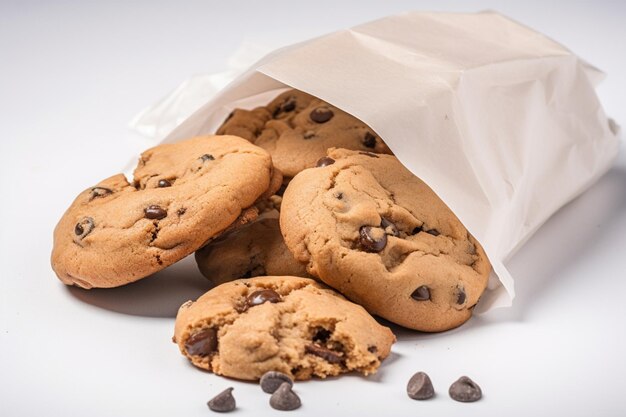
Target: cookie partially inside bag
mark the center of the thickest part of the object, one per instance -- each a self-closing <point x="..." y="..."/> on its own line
<point x="297" y="128"/>
<point x="245" y="328"/>
<point x="182" y="196"/>
<point x="372" y="230"/>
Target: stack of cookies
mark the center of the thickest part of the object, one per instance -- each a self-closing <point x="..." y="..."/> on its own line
<point x="289" y="208"/>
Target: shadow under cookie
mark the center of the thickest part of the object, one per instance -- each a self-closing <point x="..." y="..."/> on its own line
<point x="160" y="295"/>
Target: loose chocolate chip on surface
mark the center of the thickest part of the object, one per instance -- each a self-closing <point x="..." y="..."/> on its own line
<point x="321" y="115"/>
<point x="84" y="227"/>
<point x="420" y="387"/>
<point x="155" y="212"/>
<point x="460" y="296"/>
<point x="262" y="296"/>
<point x="390" y="228"/>
<point x="421" y="293"/>
<point x="369" y="140"/>
<point x="207" y="157"/>
<point x="324" y="353"/>
<point x="433" y="232"/>
<point x="284" y="398"/>
<point x="164" y="183"/>
<point x="465" y="390"/>
<point x="223" y="402"/>
<point x="272" y="380"/>
<point x="202" y="343"/>
<point x="97" y="192"/>
<point x="324" y="161"/>
<point x="372" y="239"/>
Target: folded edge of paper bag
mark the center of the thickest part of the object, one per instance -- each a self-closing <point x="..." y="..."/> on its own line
<point x="501" y="121"/>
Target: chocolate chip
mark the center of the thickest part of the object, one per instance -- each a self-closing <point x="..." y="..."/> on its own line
<point x="262" y="296"/>
<point x="181" y="211"/>
<point x="370" y="154"/>
<point x="321" y="335"/>
<point x="460" y="295"/>
<point x="416" y="230"/>
<point x="164" y="183"/>
<point x="324" y="353"/>
<point x="420" y="387"/>
<point x="370" y="240"/>
<point x="390" y="228"/>
<point x="83" y="227"/>
<point x="324" y="161"/>
<point x="369" y="141"/>
<point x="288" y="105"/>
<point x="272" y="380"/>
<point x="465" y="390"/>
<point x="433" y="232"/>
<point x="207" y="157"/>
<point x="421" y="293"/>
<point x="223" y="402"/>
<point x="372" y="349"/>
<point x="155" y="212"/>
<point x="338" y="195"/>
<point x="321" y="115"/>
<point x="284" y="398"/>
<point x="97" y="192"/>
<point x="202" y="343"/>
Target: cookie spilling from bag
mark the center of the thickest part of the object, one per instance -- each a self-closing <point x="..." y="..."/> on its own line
<point x="369" y="228"/>
<point x="297" y="129"/>
<point x="182" y="196"/>
<point x="245" y="328"/>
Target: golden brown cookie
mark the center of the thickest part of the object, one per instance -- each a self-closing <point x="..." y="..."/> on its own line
<point x="245" y="328"/>
<point x="297" y="129"/>
<point x="182" y="195"/>
<point x="369" y="228"/>
<point x="252" y="250"/>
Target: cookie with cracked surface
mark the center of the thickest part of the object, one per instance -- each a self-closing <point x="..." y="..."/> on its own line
<point x="183" y="195"/>
<point x="255" y="249"/>
<point x="297" y="129"/>
<point x="369" y="228"/>
<point x="245" y="328"/>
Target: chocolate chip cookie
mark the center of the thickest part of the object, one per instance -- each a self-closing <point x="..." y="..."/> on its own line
<point x="369" y="228"/>
<point x="182" y="195"/>
<point x="255" y="249"/>
<point x="245" y="328"/>
<point x="297" y="129"/>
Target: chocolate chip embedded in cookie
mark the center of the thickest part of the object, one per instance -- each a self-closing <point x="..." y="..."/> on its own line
<point x="182" y="195"/>
<point x="255" y="249"/>
<point x="369" y="228"/>
<point x="245" y="328"/>
<point x="297" y="129"/>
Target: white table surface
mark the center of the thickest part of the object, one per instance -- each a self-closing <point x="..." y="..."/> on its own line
<point x="72" y="74"/>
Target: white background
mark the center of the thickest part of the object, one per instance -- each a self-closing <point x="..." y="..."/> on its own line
<point x="72" y="74"/>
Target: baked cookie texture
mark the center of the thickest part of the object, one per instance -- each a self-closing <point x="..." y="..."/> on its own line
<point x="297" y="129"/>
<point x="255" y="249"/>
<point x="245" y="328"/>
<point x="182" y="195"/>
<point x="372" y="230"/>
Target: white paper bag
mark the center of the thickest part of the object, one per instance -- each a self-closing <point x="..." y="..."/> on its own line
<point x="502" y="122"/>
